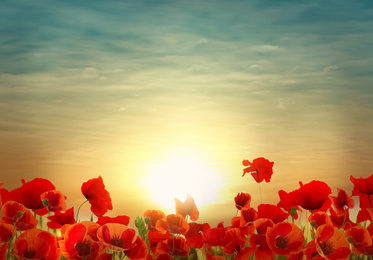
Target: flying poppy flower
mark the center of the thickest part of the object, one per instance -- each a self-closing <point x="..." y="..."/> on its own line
<point x="29" y="194"/>
<point x="285" y="238"/>
<point x="362" y="186"/>
<point x="341" y="202"/>
<point x="59" y="219"/>
<point x="242" y="200"/>
<point x="359" y="237"/>
<point x="260" y="169"/>
<point x="99" y="198"/>
<point x="36" y="244"/>
<point x="15" y="213"/>
<point x="215" y="236"/>
<point x="331" y="243"/>
<point x="117" y="237"/>
<point x="174" y="224"/>
<point x="122" y="219"/>
<point x="54" y="200"/>
<point x="195" y="236"/>
<point x="78" y="244"/>
<point x="319" y="218"/>
<point x="313" y="196"/>
<point x="273" y="212"/>
<point x="173" y="246"/>
<point x="188" y="207"/>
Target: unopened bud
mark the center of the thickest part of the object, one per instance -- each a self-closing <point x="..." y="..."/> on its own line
<point x="147" y="220"/>
<point x="313" y="224"/>
<point x="20" y="214"/>
<point x="350" y="239"/>
<point x="45" y="202"/>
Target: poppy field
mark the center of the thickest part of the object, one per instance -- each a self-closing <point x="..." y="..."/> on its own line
<point x="264" y="232"/>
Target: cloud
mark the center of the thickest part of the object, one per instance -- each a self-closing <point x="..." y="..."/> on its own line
<point x="254" y="67"/>
<point x="330" y="68"/>
<point x="266" y="48"/>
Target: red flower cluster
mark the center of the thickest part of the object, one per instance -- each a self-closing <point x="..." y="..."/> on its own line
<point x="263" y="231"/>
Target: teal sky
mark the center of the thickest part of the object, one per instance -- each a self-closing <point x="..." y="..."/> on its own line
<point x="116" y="88"/>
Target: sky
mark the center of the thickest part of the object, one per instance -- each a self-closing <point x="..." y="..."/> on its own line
<point x="162" y="98"/>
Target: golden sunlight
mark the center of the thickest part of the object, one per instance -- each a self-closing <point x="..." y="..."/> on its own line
<point x="180" y="173"/>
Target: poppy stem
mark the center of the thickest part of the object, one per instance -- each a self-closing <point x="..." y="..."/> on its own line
<point x="260" y="189"/>
<point x="77" y="213"/>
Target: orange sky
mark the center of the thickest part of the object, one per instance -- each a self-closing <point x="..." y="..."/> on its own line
<point x="174" y="96"/>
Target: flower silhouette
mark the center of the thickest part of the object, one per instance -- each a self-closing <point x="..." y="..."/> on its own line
<point x="188" y="207"/>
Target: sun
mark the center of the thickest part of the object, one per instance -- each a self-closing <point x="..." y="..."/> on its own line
<point x="182" y="172"/>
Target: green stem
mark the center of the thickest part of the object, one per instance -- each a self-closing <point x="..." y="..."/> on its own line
<point x="260" y="190"/>
<point x="77" y="213"/>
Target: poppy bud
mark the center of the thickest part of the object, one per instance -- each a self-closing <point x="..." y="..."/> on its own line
<point x="313" y="224"/>
<point x="147" y="220"/>
<point x="19" y="214"/>
<point x="350" y="239"/>
<point x="45" y="202"/>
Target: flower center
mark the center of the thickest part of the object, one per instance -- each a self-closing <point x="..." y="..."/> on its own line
<point x="29" y="253"/>
<point x="116" y="241"/>
<point x="83" y="247"/>
<point x="281" y="242"/>
<point x="327" y="247"/>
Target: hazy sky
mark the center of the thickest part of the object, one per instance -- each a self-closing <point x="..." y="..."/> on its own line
<point x="127" y="89"/>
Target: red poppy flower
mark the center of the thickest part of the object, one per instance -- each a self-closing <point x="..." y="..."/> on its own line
<point x="3" y="251"/>
<point x="285" y="238"/>
<point x="262" y="224"/>
<point x="319" y="218"/>
<point x="261" y="248"/>
<point x="313" y="196"/>
<point x="195" y="236"/>
<point x="173" y="246"/>
<point x="260" y="169"/>
<point x="310" y="252"/>
<point x="116" y="236"/>
<point x="215" y="236"/>
<point x="174" y="224"/>
<point x="154" y="216"/>
<point x="248" y="216"/>
<point x="139" y="251"/>
<point x="341" y="202"/>
<point x="78" y="244"/>
<point x="16" y="213"/>
<point x="242" y="200"/>
<point x="54" y="200"/>
<point x="359" y="237"/>
<point x="273" y="212"/>
<point x="234" y="241"/>
<point x="188" y="207"/>
<point x="29" y="194"/>
<point x="331" y="243"/>
<point x="99" y="198"/>
<point x="364" y="203"/>
<point x="122" y="219"/>
<point x="341" y="221"/>
<point x="6" y="232"/>
<point x="362" y="186"/>
<point x="59" y="219"/>
<point x="36" y="244"/>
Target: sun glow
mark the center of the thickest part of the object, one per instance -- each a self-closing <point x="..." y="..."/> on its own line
<point x="179" y="174"/>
